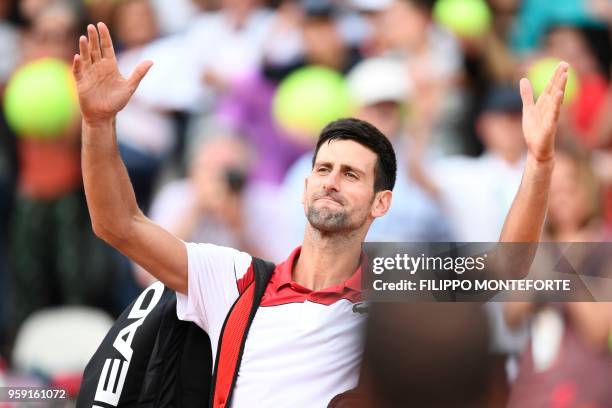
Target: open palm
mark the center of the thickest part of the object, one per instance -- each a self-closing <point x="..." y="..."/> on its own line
<point x="540" y="118"/>
<point x="102" y="90"/>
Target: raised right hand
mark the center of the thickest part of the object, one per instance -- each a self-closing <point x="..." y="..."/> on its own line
<point x="102" y="90"/>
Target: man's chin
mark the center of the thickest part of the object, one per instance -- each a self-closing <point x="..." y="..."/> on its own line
<point x="326" y="220"/>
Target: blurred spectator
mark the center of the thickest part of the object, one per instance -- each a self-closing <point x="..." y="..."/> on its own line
<point x="534" y="17"/>
<point x="9" y="42"/>
<point x="176" y="15"/>
<point x="30" y="9"/>
<point x="9" y="57"/>
<point x="567" y="362"/>
<point x="443" y="363"/>
<point x="56" y="258"/>
<point x="247" y="105"/>
<point x="574" y="213"/>
<point x="591" y="102"/>
<point x="192" y="67"/>
<point x="476" y="193"/>
<point x="487" y="60"/>
<point x="434" y="63"/>
<point x="145" y="133"/>
<point x="212" y="204"/>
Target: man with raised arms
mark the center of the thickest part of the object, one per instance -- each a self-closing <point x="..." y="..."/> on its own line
<point x="303" y="347"/>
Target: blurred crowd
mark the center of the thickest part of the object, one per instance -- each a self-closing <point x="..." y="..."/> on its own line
<point x="210" y="161"/>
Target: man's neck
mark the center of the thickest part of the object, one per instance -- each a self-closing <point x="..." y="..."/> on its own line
<point x="326" y="259"/>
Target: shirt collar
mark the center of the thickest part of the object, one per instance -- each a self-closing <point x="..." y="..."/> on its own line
<point x="283" y="275"/>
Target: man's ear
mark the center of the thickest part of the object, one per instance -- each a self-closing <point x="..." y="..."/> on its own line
<point x="381" y="203"/>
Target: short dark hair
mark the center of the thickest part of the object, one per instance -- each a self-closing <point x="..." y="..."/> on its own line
<point x="368" y="136"/>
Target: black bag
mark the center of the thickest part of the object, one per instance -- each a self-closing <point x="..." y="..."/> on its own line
<point x="150" y="358"/>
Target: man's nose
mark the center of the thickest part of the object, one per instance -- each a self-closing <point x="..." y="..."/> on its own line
<point x="331" y="182"/>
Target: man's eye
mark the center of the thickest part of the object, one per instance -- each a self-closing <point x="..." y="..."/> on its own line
<point x="351" y="175"/>
<point x="322" y="170"/>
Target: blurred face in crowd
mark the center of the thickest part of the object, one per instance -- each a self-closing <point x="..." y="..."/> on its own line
<point x="404" y="25"/>
<point x="135" y="23"/>
<point x="31" y="8"/>
<point x="339" y="193"/>
<point x="572" y="201"/>
<point x="502" y="134"/>
<point x="53" y="34"/>
<point x="239" y="9"/>
<point x="386" y="116"/>
<point x="322" y="42"/>
<point x="210" y="168"/>
<point x="569" y="44"/>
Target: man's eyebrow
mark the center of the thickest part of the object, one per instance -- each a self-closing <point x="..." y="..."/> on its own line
<point x="351" y="168"/>
<point x="323" y="163"/>
<point x="342" y="166"/>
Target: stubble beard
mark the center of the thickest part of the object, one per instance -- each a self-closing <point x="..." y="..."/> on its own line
<point x="327" y="220"/>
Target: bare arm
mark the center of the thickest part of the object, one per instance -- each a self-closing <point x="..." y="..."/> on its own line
<point x="526" y="217"/>
<point x="114" y="213"/>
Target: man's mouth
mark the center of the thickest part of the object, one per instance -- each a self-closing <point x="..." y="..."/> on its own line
<point x="327" y="198"/>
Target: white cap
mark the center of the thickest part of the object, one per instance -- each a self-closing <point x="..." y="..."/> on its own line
<point x="371" y="5"/>
<point x="379" y="79"/>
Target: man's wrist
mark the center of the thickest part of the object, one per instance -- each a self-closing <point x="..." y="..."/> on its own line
<point x="99" y="123"/>
<point x="545" y="164"/>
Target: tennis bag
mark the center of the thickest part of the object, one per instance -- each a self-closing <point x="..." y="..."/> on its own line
<point x="150" y="358"/>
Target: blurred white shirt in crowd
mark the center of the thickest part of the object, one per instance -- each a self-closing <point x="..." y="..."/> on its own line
<point x="174" y="16"/>
<point x="141" y="125"/>
<point x="477" y="194"/>
<point x="211" y="44"/>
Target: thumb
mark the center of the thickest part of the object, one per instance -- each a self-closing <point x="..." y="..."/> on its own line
<point x="139" y="72"/>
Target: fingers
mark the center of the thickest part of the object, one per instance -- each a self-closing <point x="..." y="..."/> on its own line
<point x="561" y="79"/>
<point x="551" y="82"/>
<point x="554" y="82"/>
<point x="84" y="51"/>
<point x="94" y="43"/>
<point x="106" y="41"/>
<point x="77" y="67"/>
<point x="139" y="72"/>
<point x="526" y="93"/>
<point x="558" y="97"/>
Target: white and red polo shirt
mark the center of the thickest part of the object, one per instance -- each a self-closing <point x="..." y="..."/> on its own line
<point x="304" y="347"/>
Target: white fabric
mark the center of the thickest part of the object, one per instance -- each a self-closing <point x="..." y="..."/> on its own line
<point x="142" y="125"/>
<point x="177" y="198"/>
<point x="210" y="43"/>
<point x="296" y="355"/>
<point x="477" y="194"/>
<point x="60" y="340"/>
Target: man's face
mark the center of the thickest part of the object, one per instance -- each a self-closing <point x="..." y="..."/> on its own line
<point x="339" y="193"/>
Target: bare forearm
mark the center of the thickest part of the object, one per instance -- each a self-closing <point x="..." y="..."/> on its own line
<point x="526" y="217"/>
<point x="110" y="196"/>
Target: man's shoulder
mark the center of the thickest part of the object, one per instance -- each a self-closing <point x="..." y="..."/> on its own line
<point x="206" y="256"/>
